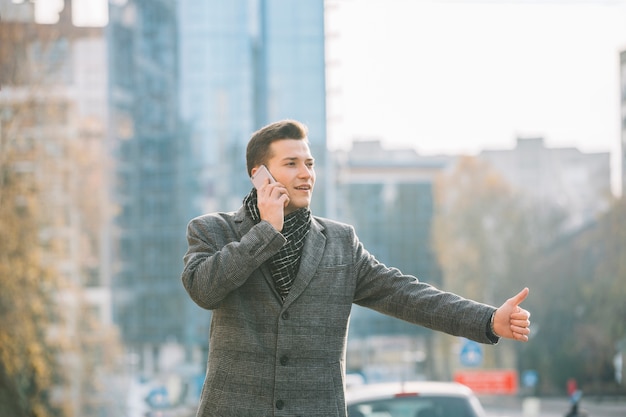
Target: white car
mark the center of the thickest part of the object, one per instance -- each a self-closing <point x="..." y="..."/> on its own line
<point x="413" y="399"/>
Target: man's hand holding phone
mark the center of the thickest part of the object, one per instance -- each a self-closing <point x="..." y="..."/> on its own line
<point x="272" y="197"/>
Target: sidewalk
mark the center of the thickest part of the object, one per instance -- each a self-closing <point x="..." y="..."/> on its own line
<point x="512" y="406"/>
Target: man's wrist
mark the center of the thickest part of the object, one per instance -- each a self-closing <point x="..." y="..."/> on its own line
<point x="491" y="325"/>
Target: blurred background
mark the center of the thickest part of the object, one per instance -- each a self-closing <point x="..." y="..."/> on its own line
<point x="478" y="145"/>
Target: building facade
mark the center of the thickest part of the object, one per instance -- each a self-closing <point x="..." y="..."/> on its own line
<point x="622" y="60"/>
<point x="149" y="151"/>
<point x="388" y="196"/>
<point x="244" y="64"/>
<point x="576" y="184"/>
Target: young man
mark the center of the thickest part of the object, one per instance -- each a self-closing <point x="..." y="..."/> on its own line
<point x="281" y="284"/>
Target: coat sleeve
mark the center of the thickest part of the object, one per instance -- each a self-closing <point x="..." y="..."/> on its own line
<point x="217" y="261"/>
<point x="389" y="291"/>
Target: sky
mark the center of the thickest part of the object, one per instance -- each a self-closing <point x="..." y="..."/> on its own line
<point x="461" y="76"/>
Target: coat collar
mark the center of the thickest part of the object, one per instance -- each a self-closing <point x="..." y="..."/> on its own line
<point x="311" y="256"/>
<point x="312" y="253"/>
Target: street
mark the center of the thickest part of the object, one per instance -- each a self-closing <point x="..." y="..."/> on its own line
<point x="551" y="407"/>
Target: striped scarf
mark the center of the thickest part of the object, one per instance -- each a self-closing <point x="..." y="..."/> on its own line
<point x="285" y="264"/>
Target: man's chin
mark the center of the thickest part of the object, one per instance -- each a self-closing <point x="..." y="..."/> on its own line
<point x="293" y="207"/>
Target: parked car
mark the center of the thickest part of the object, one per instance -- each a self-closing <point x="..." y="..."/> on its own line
<point x="413" y="399"/>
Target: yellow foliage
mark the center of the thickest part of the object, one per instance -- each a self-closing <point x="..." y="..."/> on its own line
<point x="51" y="174"/>
<point x="478" y="232"/>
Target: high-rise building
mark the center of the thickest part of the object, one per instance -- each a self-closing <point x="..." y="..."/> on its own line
<point x="622" y="61"/>
<point x="149" y="150"/>
<point x="575" y="183"/>
<point x="244" y="64"/>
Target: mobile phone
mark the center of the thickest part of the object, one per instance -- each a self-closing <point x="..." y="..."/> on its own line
<point x="259" y="177"/>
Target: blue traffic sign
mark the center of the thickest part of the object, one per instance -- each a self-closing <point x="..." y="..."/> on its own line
<point x="471" y="353"/>
<point x="530" y="378"/>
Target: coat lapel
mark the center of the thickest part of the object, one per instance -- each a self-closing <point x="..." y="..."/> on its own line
<point x="244" y="226"/>
<point x="311" y="256"/>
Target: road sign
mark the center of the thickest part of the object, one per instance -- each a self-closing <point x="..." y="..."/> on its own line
<point x="471" y="353"/>
<point x="530" y="377"/>
<point x="494" y="381"/>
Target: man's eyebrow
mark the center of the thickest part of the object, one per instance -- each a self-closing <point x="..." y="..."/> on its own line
<point x="295" y="158"/>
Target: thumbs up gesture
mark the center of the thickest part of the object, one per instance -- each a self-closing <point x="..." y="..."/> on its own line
<point x="511" y="321"/>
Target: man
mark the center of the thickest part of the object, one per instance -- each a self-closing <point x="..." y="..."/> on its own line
<point x="281" y="284"/>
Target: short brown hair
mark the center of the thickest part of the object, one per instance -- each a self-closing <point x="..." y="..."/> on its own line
<point x="258" y="149"/>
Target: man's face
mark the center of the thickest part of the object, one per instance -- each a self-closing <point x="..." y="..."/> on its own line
<point x="291" y="164"/>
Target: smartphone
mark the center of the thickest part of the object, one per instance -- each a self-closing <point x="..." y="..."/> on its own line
<point x="259" y="177"/>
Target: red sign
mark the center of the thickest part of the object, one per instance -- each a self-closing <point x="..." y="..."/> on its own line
<point x="495" y="381"/>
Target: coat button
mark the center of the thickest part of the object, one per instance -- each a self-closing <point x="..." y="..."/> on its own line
<point x="284" y="360"/>
<point x="285" y="315"/>
<point x="280" y="404"/>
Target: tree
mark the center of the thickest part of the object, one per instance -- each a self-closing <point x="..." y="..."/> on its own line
<point x="480" y="231"/>
<point x="581" y="283"/>
<point x="28" y="370"/>
<point x="51" y="216"/>
<point x="610" y="271"/>
<point x="485" y="236"/>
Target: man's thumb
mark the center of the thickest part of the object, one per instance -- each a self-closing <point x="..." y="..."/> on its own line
<point x="521" y="296"/>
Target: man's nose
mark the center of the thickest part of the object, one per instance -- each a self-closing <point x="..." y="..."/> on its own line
<point x="305" y="172"/>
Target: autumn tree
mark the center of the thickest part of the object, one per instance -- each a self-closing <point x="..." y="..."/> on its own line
<point x="53" y="346"/>
<point x="480" y="231"/>
<point x="579" y="305"/>
<point x="485" y="235"/>
<point x="491" y="241"/>
<point x="28" y="369"/>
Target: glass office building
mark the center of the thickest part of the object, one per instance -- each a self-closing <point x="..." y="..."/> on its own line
<point x="244" y="64"/>
<point x="622" y="60"/>
<point x="149" y="151"/>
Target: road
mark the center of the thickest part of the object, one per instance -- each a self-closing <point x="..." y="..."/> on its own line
<point x="550" y="407"/>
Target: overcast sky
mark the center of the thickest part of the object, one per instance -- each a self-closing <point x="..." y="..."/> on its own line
<point x="446" y="76"/>
<point x="460" y="76"/>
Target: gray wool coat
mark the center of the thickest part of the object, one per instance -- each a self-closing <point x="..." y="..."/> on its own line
<point x="273" y="358"/>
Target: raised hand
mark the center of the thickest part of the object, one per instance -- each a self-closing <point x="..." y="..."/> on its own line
<point x="272" y="198"/>
<point x="511" y="321"/>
